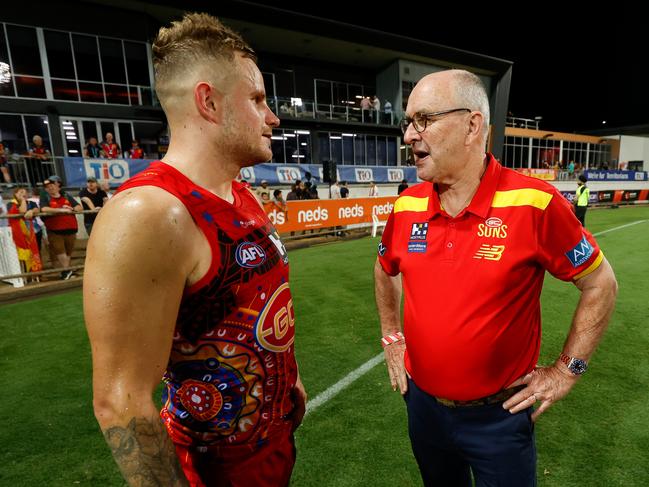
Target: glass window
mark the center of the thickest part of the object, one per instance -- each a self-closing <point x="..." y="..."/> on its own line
<point x="323" y="91"/>
<point x="392" y="151"/>
<point x="125" y="135"/>
<point x="137" y="63"/>
<point x="12" y="133"/>
<point x="112" y="61"/>
<point x="336" y="148"/>
<point x="371" y="150"/>
<point x="24" y="50"/>
<point x="382" y="151"/>
<point x="65" y="90"/>
<point x="29" y="87"/>
<point x="7" y="87"/>
<point x="348" y="150"/>
<point x="291" y="147"/>
<point x="90" y="130"/>
<point x="116" y="94"/>
<point x="59" y="54"/>
<point x="269" y="84"/>
<point x="72" y="139"/>
<point x="359" y="150"/>
<point x="91" y="92"/>
<point x="147" y="134"/>
<point x="86" y="57"/>
<point x="37" y="125"/>
<point x="304" y="145"/>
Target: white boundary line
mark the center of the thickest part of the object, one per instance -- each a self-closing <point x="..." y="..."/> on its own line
<point x="355" y="374"/>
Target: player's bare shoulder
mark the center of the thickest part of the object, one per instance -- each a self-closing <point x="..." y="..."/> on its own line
<point x="149" y="224"/>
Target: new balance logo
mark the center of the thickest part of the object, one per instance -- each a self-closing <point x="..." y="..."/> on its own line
<point x="490" y="252"/>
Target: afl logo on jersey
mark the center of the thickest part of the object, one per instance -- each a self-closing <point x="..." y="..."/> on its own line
<point x="250" y="255"/>
<point x="275" y="326"/>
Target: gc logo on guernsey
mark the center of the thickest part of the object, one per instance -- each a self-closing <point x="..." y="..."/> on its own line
<point x="275" y="326"/>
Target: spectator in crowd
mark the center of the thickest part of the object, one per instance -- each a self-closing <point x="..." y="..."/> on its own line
<point x="109" y="147"/>
<point x="374" y="190"/>
<point x="344" y="190"/>
<point x="571" y="169"/>
<point x="92" y="149"/>
<point x="23" y="233"/>
<point x="387" y="109"/>
<point x="265" y="198"/>
<point x="581" y="199"/>
<point x="33" y="203"/>
<point x="302" y="192"/>
<point x="3" y="213"/>
<point x="93" y="199"/>
<point x="376" y="106"/>
<point x="366" y="105"/>
<point x="136" y="151"/>
<point x="334" y="190"/>
<point x="263" y="189"/>
<point x="4" y="166"/>
<point x="313" y="191"/>
<point x="403" y="186"/>
<point x="61" y="226"/>
<point x="278" y="199"/>
<point x="285" y="109"/>
<point x="37" y="155"/>
<point x="104" y="185"/>
<point x="293" y="193"/>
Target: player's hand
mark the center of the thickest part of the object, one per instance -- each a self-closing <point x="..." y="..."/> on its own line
<point x="544" y="384"/>
<point x="299" y="403"/>
<point x="394" y="359"/>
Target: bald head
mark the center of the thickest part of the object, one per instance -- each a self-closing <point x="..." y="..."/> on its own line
<point x="454" y="88"/>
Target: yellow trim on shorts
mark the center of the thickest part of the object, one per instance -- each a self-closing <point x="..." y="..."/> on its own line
<point x="592" y="267"/>
<point x="411" y="203"/>
<point x="521" y="197"/>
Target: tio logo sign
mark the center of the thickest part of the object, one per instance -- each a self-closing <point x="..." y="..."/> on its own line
<point x="248" y="174"/>
<point x="364" y="175"/>
<point x="113" y="170"/>
<point x="395" y="175"/>
<point x="288" y="175"/>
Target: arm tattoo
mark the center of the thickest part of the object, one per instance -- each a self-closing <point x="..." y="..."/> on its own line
<point x="145" y="454"/>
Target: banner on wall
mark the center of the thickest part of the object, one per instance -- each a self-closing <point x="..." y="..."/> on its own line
<point x="616" y="175"/>
<point x="545" y="174"/>
<point x="78" y="170"/>
<point x="615" y="196"/>
<point x="310" y="214"/>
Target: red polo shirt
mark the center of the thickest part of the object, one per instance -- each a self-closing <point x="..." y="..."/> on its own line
<point x="472" y="283"/>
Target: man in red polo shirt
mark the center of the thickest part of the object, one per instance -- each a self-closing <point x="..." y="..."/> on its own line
<point x="470" y="246"/>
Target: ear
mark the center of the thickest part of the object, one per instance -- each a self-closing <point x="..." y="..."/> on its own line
<point x="474" y="128"/>
<point x="208" y="101"/>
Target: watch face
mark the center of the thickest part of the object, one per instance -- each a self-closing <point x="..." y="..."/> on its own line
<point x="578" y="366"/>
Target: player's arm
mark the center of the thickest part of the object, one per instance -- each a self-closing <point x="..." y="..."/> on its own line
<point x="137" y="263"/>
<point x="387" y="290"/>
<point x="596" y="304"/>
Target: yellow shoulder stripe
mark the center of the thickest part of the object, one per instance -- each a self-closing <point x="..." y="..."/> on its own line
<point x="521" y="197"/>
<point x="591" y="267"/>
<point x="411" y="203"/>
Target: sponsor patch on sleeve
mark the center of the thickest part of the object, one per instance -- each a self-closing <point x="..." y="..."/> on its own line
<point x="382" y="249"/>
<point x="580" y="253"/>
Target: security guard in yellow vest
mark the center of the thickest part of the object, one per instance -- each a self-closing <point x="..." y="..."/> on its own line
<point x="581" y="200"/>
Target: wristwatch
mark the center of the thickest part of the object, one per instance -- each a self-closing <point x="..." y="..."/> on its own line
<point x="576" y="366"/>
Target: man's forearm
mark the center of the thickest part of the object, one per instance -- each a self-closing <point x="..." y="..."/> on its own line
<point x="592" y="315"/>
<point x="387" y="291"/>
<point x="145" y="454"/>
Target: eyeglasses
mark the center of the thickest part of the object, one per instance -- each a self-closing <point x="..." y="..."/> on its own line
<point x="420" y="120"/>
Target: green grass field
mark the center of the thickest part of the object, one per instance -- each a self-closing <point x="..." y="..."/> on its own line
<point x="597" y="436"/>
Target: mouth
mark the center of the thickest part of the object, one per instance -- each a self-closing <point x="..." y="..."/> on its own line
<point x="420" y="155"/>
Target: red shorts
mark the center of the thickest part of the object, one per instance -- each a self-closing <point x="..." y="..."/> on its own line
<point x="270" y="466"/>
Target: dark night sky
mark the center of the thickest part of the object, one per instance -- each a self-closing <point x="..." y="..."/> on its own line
<point x="575" y="69"/>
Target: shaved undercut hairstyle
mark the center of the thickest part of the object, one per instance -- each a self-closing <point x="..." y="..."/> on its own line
<point x="196" y="40"/>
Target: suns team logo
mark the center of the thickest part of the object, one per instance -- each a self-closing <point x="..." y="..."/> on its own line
<point x="493" y="228"/>
<point x="275" y="327"/>
<point x="249" y="254"/>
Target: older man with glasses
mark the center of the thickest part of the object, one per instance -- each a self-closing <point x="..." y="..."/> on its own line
<point x="470" y="246"/>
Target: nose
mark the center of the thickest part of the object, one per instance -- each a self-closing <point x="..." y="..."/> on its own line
<point x="271" y="119"/>
<point x="411" y="135"/>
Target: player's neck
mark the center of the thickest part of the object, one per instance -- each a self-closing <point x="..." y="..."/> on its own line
<point x="202" y="166"/>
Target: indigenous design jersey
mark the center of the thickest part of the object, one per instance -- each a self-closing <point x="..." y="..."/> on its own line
<point x="232" y="368"/>
<point x="472" y="284"/>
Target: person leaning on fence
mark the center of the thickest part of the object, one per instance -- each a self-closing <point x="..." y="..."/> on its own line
<point x="470" y="247"/>
<point x="61" y="225"/>
<point x="4" y="166"/>
<point x="93" y="199"/>
<point x="23" y="233"/>
<point x="198" y="284"/>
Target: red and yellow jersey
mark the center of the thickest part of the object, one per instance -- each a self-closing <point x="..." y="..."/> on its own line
<point x="472" y="283"/>
<point x="137" y="153"/>
<point x="61" y="221"/>
<point x="232" y="368"/>
<point x="111" y="151"/>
